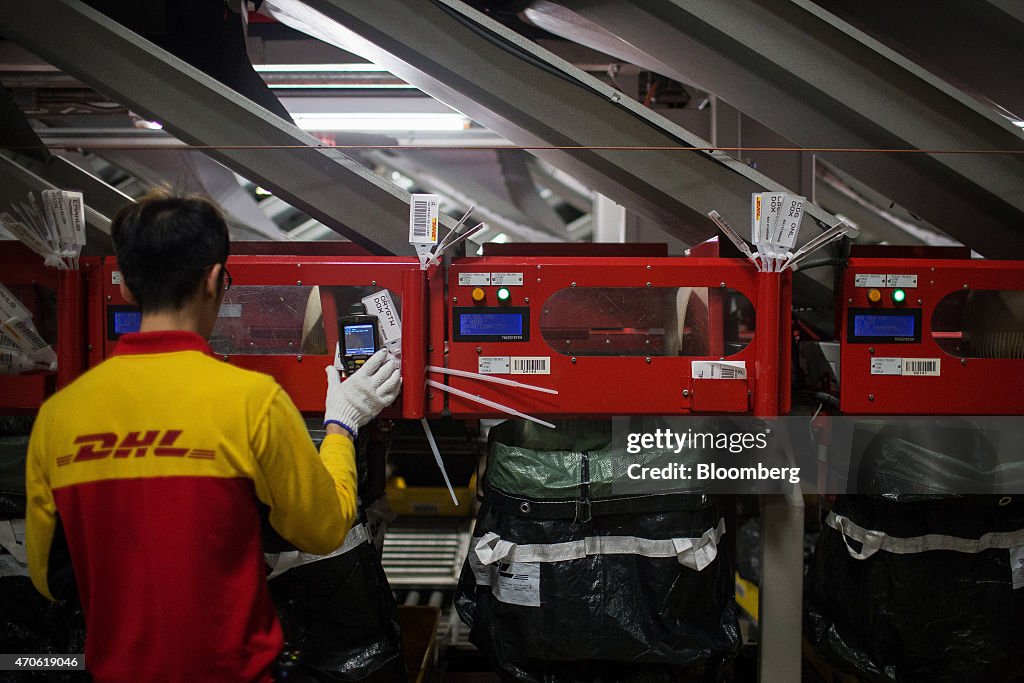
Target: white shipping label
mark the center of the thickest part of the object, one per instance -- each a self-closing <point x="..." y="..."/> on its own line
<point x="388" y="323"/>
<point x="423" y="219"/>
<point x="76" y="208"/>
<point x="24" y="334"/>
<point x="886" y="366"/>
<point x="115" y="277"/>
<point x="507" y="279"/>
<point x="56" y="203"/>
<point x="474" y="279"/>
<point x="921" y="367"/>
<point x="902" y="281"/>
<point x="230" y="311"/>
<point x="755" y="218"/>
<point x="869" y="280"/>
<point x="531" y="365"/>
<point x="718" y="369"/>
<point x="1017" y="567"/>
<point x="10" y="307"/>
<point x="788" y="227"/>
<point x="493" y="365"/>
<point x="770" y="211"/>
<point x="518" y="583"/>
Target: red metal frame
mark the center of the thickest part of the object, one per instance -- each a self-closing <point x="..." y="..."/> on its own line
<point x="21" y="267"/>
<point x="615" y="385"/>
<point x="971" y="386"/>
<point x="302" y="376"/>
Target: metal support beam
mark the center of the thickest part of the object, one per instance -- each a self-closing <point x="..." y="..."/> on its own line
<point x="974" y="43"/>
<point x="822" y="83"/>
<point x="780" y="614"/>
<point x="533" y="98"/>
<point x="325" y="184"/>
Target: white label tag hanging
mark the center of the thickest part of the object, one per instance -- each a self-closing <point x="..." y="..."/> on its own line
<point x="423" y="219"/>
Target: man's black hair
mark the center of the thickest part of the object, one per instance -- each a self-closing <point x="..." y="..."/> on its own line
<point x="164" y="244"/>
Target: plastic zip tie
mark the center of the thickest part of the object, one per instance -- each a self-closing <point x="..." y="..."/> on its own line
<point x="437" y="458"/>
<point x="733" y="236"/>
<point x="453" y="232"/>
<point x="490" y="378"/>
<point x="490" y="404"/>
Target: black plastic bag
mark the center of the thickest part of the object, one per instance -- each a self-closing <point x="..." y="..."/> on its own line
<point x="340" y="615"/>
<point x="605" y="616"/>
<point x="937" y="615"/>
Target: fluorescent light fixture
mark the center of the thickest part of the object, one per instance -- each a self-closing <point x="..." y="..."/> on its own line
<point x="319" y="68"/>
<point x="381" y="122"/>
<point x="1019" y="124"/>
<point x="341" y="86"/>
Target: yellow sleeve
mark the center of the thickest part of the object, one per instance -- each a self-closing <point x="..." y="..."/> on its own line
<point x="312" y="498"/>
<point x="40" y="513"/>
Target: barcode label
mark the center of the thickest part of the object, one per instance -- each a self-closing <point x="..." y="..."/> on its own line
<point x="718" y="369"/>
<point x="24" y="335"/>
<point x="423" y="219"/>
<point x="10" y="307"/>
<point x="921" y="366"/>
<point x="531" y="365"/>
<point x="420" y="219"/>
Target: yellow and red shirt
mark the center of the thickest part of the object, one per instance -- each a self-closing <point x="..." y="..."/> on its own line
<point x="146" y="476"/>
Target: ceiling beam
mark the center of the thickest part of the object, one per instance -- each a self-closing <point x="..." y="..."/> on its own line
<point x="823" y="83"/>
<point x="324" y="183"/>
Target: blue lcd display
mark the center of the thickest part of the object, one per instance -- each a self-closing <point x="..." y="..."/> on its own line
<point x="491" y="324"/>
<point x="127" y="321"/>
<point x="359" y="340"/>
<point x="873" y="325"/>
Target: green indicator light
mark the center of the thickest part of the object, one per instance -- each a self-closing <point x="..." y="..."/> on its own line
<point x="504" y="294"/>
<point x="899" y="296"/>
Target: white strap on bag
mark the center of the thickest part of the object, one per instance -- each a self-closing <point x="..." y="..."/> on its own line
<point x="873" y="541"/>
<point x="282" y="562"/>
<point x="693" y="553"/>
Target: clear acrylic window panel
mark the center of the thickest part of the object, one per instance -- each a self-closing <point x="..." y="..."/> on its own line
<point x="281" y="319"/>
<point x="980" y="324"/>
<point x="647" y="321"/>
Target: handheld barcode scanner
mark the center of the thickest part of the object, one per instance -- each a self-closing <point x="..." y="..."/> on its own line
<point x="359" y="337"/>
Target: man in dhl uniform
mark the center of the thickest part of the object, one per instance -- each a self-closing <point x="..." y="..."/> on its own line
<point x="147" y="476"/>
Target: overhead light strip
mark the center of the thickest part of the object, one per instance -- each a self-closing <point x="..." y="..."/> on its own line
<point x="381" y="122"/>
<point x="319" y="68"/>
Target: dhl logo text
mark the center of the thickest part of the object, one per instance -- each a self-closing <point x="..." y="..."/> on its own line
<point x="134" y="444"/>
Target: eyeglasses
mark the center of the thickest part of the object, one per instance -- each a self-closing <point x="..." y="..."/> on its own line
<point x="227" y="275"/>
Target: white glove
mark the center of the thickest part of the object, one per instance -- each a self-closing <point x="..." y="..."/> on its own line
<point x="369" y="390"/>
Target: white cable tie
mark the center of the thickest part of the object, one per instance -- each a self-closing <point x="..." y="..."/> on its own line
<point x="490" y="404"/>
<point x="437" y="458"/>
<point x="489" y="378"/>
<point x="451" y="233"/>
<point x="461" y="238"/>
<point x="733" y="237"/>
